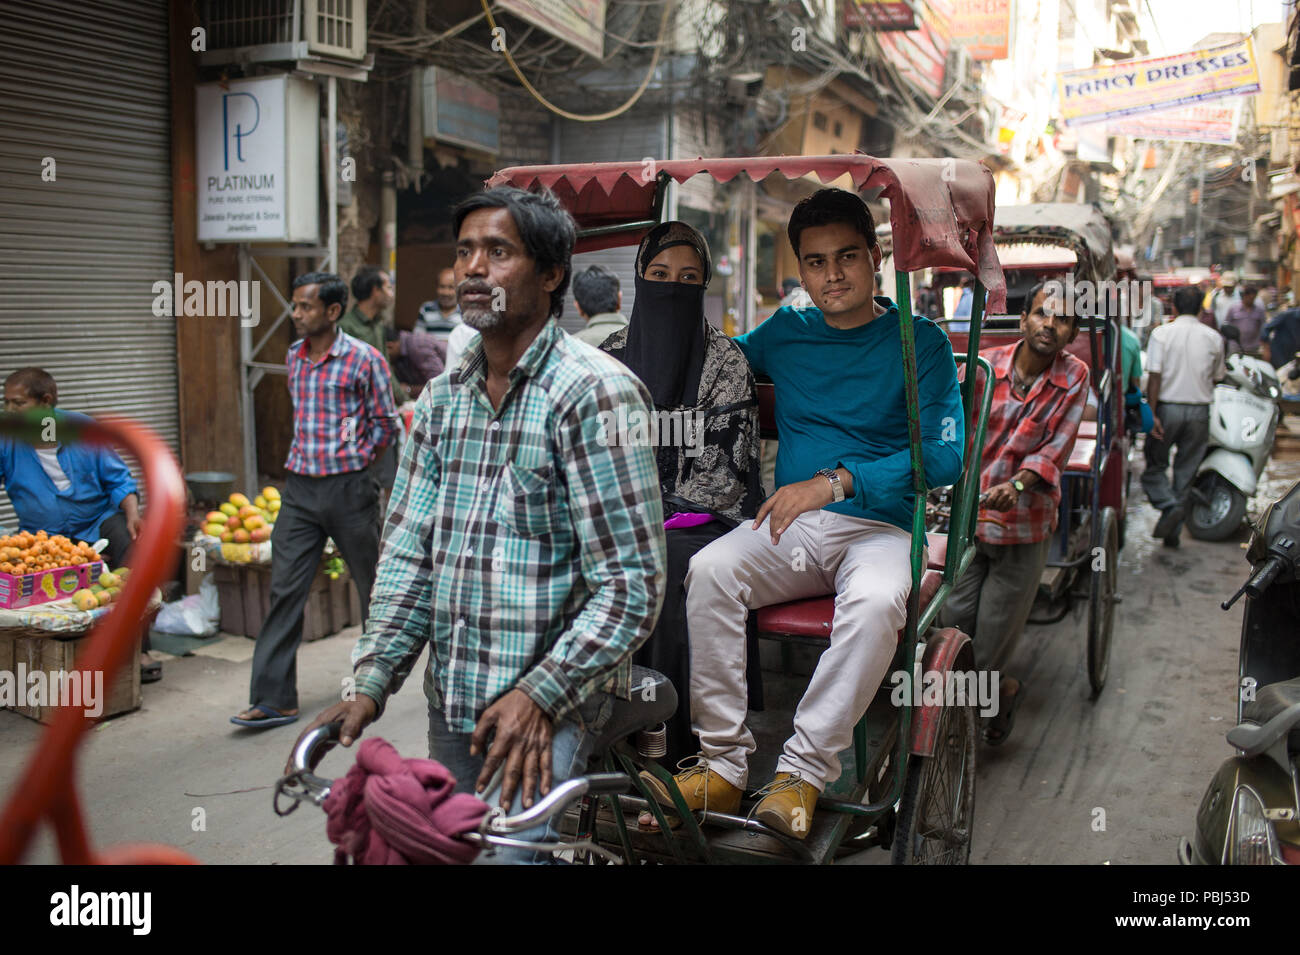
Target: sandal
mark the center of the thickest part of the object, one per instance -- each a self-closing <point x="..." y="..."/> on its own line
<point x="272" y="718"/>
<point x="999" y="728"/>
<point x="151" y="672"/>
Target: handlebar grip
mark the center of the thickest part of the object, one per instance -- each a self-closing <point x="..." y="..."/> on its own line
<point x="313" y="747"/>
<point x="1261" y="580"/>
<point x="601" y="784"/>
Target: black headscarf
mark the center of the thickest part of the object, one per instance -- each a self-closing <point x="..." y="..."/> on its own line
<point x="665" y="335"/>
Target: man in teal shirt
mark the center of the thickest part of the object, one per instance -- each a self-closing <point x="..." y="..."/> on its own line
<point x="839" y="522"/>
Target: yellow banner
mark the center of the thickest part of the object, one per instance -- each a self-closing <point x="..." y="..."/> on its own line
<point x="1099" y="93"/>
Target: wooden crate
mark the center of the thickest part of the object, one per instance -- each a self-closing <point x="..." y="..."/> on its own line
<point x="57" y="653"/>
<point x="245" y="593"/>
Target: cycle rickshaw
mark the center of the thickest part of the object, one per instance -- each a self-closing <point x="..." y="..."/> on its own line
<point x="908" y="781"/>
<point x="918" y="758"/>
<point x="1071" y="243"/>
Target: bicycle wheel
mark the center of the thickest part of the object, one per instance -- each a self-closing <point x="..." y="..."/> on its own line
<point x="936" y="814"/>
<point x="1101" y="602"/>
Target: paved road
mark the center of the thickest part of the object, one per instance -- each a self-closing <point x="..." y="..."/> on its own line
<point x="1138" y="759"/>
<point x="177" y="772"/>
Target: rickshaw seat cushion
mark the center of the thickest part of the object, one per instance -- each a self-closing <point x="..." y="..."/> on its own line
<point x="814" y="616"/>
<point x="1085" y="449"/>
<point x="654" y="700"/>
<point x="1087" y="429"/>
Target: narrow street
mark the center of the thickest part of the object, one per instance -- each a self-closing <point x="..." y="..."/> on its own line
<point x="1144" y="751"/>
<point x="177" y="772"/>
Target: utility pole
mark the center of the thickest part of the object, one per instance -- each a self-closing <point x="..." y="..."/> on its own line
<point x="1200" y="206"/>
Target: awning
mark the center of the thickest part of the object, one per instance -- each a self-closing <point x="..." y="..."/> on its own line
<point x="941" y="210"/>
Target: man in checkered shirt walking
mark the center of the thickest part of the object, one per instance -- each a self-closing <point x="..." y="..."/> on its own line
<point x="343" y="418"/>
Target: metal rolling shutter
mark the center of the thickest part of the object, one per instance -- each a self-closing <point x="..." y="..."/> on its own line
<point x="87" y="84"/>
<point x="628" y="138"/>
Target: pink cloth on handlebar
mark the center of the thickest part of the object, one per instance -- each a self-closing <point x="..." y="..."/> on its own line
<point x="393" y="811"/>
<point x="686" y="519"/>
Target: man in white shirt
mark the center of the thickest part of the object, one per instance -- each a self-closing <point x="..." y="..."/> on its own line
<point x="1184" y="360"/>
<point x="1227" y="295"/>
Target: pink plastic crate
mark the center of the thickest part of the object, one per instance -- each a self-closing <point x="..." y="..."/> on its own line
<point x="59" y="583"/>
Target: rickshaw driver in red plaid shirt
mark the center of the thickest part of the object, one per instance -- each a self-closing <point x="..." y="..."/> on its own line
<point x="522" y="545"/>
<point x="1038" y="400"/>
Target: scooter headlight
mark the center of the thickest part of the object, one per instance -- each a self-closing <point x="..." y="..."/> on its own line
<point x="1253" y="840"/>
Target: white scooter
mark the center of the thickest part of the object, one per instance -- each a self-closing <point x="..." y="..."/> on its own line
<point x="1243" y="418"/>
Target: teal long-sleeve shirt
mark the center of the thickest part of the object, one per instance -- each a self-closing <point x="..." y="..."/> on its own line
<point x="840" y="403"/>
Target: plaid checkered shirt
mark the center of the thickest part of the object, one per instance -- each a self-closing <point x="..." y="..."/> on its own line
<point x="1037" y="434"/>
<point x="522" y="544"/>
<point x="343" y="411"/>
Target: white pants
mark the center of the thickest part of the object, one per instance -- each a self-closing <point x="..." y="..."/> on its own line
<point x="865" y="563"/>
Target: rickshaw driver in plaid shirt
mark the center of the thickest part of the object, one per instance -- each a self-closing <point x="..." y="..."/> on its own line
<point x="1039" y="395"/>
<point x="522" y="544"/>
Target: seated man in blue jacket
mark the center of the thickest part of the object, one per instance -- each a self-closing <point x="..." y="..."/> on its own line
<point x="80" y="491"/>
<point x="839" y="522"/>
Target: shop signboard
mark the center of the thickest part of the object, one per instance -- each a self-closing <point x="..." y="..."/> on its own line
<point x="922" y="55"/>
<point x="983" y="27"/>
<point x="1212" y="123"/>
<point x="579" y="23"/>
<point x="877" y="15"/>
<point x="257" y="165"/>
<point x="459" y="111"/>
<point x="1133" y="87"/>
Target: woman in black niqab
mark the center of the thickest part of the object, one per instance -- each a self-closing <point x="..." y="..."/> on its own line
<point x="693" y="370"/>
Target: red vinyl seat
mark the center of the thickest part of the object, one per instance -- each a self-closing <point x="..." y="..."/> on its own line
<point x="1085" y="449"/>
<point x="813" y="617"/>
<point x="1087" y="429"/>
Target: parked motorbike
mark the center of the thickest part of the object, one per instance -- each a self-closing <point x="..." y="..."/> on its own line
<point x="1250" y="814"/>
<point x="1243" y="418"/>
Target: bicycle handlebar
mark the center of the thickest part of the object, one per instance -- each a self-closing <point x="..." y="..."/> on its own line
<point x="315" y="744"/>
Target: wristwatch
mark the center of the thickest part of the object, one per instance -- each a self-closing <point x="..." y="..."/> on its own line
<point x="1019" y="485"/>
<point x="837" y="486"/>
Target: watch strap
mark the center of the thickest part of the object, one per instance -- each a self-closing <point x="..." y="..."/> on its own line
<point x="837" y="486"/>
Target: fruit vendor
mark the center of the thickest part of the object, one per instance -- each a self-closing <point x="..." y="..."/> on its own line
<point x="81" y="491"/>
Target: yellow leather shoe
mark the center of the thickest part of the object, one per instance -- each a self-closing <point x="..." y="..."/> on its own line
<point x="787" y="805"/>
<point x="701" y="788"/>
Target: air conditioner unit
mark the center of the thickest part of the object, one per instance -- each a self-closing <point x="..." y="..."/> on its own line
<point x="335" y="27"/>
<point x="274" y="30"/>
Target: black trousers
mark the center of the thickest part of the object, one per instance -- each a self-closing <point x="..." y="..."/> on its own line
<point x="342" y="506"/>
<point x="669" y="648"/>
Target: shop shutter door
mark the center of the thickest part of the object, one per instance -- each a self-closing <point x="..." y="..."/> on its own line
<point x="628" y="138"/>
<point x="87" y="85"/>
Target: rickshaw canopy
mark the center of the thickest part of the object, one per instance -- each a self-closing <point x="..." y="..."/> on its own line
<point x="940" y="210"/>
<point x="1080" y="227"/>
